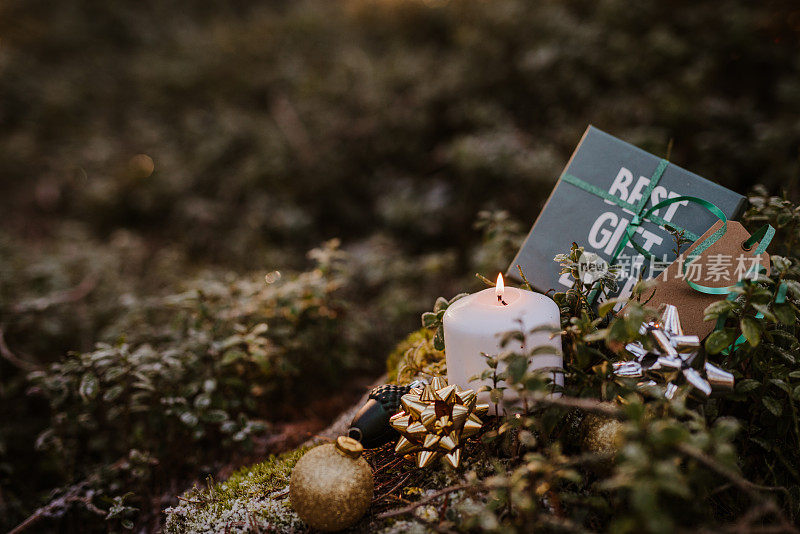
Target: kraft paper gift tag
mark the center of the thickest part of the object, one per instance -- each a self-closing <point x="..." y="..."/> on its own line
<point x="723" y="264"/>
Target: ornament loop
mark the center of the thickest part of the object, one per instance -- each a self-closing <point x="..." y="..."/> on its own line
<point x="349" y="447"/>
<point x="355" y="433"/>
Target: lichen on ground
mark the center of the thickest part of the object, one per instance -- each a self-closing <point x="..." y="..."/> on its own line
<point x="254" y="498"/>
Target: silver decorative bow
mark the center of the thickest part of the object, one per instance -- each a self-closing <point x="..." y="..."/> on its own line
<point x="676" y="361"/>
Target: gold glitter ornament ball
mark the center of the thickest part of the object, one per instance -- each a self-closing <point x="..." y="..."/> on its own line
<point x="601" y="435"/>
<point x="331" y="486"/>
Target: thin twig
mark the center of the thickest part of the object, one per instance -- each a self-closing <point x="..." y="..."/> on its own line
<point x="752" y="522"/>
<point x="413" y="506"/>
<point x="191" y="501"/>
<point x="60" y="297"/>
<point x="387" y="465"/>
<point x="587" y="405"/>
<point x="485" y="280"/>
<point x="735" y="478"/>
<point x="9" y="355"/>
<point x="750" y="488"/>
<point x="291" y="126"/>
<point x="403" y="481"/>
<point x="588" y="458"/>
<point x="524" y="279"/>
<point x="72" y="495"/>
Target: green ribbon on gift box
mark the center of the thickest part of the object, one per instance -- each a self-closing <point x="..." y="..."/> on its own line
<point x="639" y="215"/>
<point x="763" y="236"/>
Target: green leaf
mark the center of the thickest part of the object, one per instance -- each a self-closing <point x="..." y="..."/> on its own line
<point x="113" y="392"/>
<point x="189" y="419"/>
<point x="215" y="416"/>
<point x="719" y="340"/>
<point x="602" y="369"/>
<point x="773" y="405"/>
<point x="516" y="365"/>
<point x="794" y="288"/>
<point x="113" y="373"/>
<point x="597" y="335"/>
<point x="783" y="353"/>
<point x="751" y="330"/>
<point x="781" y="263"/>
<point x="777" y="382"/>
<point x="606" y="307"/>
<point x="763" y="442"/>
<point x="747" y="385"/>
<point x="202" y="401"/>
<point x="429" y="319"/>
<point x="761" y="295"/>
<point x="438" y="339"/>
<point x="784" y="313"/>
<point x="441" y="304"/>
<point x="232" y="355"/>
<point x="718" y="308"/>
<point x="89" y="387"/>
<point x="491" y="361"/>
<point x="786" y="337"/>
<point x="228" y="427"/>
<point x="619" y="330"/>
<point x="765" y="311"/>
<point x="513" y="335"/>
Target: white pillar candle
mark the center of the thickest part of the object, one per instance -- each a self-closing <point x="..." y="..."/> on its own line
<point x="476" y="323"/>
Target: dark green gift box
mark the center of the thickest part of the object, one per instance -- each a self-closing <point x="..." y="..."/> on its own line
<point x="604" y="164"/>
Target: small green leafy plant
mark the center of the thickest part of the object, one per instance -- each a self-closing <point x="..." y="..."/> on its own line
<point x="435" y="320"/>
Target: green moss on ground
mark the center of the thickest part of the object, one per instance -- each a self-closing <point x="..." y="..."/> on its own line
<point x="256" y="497"/>
<point x="253" y="498"/>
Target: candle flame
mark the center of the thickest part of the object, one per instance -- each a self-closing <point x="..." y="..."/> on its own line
<point x="499" y="287"/>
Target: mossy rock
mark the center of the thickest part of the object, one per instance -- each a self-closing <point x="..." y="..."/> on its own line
<point x="254" y="498"/>
<point x="415" y="355"/>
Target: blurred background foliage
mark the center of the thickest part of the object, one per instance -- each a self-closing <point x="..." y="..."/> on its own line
<point x="158" y="159"/>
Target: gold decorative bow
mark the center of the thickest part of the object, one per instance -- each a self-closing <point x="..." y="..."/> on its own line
<point x="434" y="421"/>
<point x="676" y="361"/>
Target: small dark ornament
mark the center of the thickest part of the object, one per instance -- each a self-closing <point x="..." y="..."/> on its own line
<point x="371" y="425"/>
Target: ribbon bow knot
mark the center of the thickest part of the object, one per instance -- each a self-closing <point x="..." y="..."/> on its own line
<point x="678" y="360"/>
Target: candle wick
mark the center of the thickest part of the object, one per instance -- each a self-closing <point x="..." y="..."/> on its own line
<point x="501" y="301"/>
